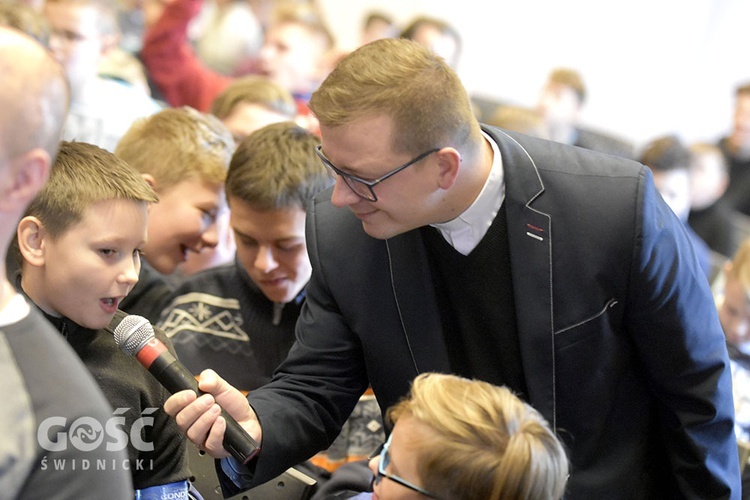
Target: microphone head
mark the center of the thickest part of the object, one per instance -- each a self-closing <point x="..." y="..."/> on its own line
<point x="133" y="333"/>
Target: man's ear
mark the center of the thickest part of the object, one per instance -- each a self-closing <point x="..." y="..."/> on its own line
<point x="449" y="161"/>
<point x="31" y="240"/>
<point x="27" y="175"/>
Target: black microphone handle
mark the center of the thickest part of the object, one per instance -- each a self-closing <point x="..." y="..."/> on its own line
<point x="173" y="375"/>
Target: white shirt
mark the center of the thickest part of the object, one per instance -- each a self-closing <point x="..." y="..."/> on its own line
<point x="466" y="231"/>
<point x="106" y="111"/>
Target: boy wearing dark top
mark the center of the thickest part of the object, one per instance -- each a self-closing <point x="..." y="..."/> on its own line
<point x="45" y="388"/>
<point x="183" y="155"/>
<point x="239" y="319"/>
<point x="80" y="241"/>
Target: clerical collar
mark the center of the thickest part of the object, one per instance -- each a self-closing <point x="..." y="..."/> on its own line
<point x="466" y="231"/>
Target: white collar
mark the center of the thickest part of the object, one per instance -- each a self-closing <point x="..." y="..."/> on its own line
<point x="466" y="231"/>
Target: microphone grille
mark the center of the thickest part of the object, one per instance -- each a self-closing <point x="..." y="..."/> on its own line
<point x="132" y="333"/>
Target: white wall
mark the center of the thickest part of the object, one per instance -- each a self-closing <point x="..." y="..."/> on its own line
<point x="651" y="66"/>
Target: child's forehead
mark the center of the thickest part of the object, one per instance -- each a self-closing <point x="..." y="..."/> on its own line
<point x="108" y="219"/>
<point x="247" y="207"/>
<point x="115" y="206"/>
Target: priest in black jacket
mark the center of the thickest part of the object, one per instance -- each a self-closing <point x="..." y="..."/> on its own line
<point x="445" y="246"/>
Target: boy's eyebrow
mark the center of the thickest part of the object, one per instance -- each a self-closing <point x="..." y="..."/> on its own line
<point x="242" y="235"/>
<point x="115" y="240"/>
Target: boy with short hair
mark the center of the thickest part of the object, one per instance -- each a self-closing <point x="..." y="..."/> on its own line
<point x="81" y="240"/>
<point x="248" y="104"/>
<point x="669" y="160"/>
<point x="247" y="309"/>
<point x="82" y="34"/>
<point x="561" y="102"/>
<point x="239" y="319"/>
<point x="183" y="154"/>
<point x="41" y="379"/>
<point x="252" y="102"/>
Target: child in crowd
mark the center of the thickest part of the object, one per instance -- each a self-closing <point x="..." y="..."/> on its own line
<point x="710" y="216"/>
<point x="732" y="294"/>
<point x="82" y="34"/>
<point x="561" y="103"/>
<point x="296" y="54"/>
<point x="239" y="319"/>
<point x="468" y="440"/>
<point x="183" y="154"/>
<point x="80" y="241"/>
<point x="42" y="379"/>
<point x="248" y="104"/>
<point x="252" y="102"/>
<point x="669" y="161"/>
<point x="437" y="35"/>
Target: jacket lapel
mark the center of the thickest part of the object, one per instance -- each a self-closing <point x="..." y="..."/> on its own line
<point x="529" y="235"/>
<point x="531" y="258"/>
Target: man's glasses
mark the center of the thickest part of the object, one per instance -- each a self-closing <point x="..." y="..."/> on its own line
<point x="364" y="188"/>
<point x="385" y="459"/>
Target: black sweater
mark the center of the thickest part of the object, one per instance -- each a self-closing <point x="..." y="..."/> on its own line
<point x="158" y="453"/>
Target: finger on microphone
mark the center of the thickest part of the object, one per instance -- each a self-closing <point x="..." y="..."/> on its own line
<point x="177" y="402"/>
<point x="209" y="381"/>
<point x="212" y="383"/>
<point x="136" y="336"/>
<point x="208" y="431"/>
<point x="228" y="396"/>
<point x="190" y="414"/>
<point x="214" y="441"/>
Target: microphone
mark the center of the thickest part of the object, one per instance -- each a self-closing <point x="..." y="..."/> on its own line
<point x="135" y="336"/>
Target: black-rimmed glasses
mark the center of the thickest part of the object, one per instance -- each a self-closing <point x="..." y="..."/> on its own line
<point x="385" y="459"/>
<point x="362" y="187"/>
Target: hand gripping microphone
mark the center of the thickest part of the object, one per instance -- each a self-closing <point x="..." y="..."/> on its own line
<point x="135" y="336"/>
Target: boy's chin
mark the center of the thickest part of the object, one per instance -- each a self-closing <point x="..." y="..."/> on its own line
<point x="97" y="324"/>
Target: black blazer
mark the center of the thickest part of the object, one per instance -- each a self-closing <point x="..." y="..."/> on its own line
<point x="621" y="346"/>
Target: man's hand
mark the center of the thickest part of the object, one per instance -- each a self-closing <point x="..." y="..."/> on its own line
<point x="200" y="419"/>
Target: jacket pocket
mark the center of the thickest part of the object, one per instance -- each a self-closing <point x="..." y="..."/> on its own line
<point x="594" y="324"/>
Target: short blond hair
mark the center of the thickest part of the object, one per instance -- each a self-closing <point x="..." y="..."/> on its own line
<point x="488" y="443"/>
<point x="82" y="176"/>
<point x="309" y="18"/>
<point x="519" y="119"/>
<point x="569" y="78"/>
<point x="178" y="144"/>
<point x="401" y="79"/>
<point x="254" y="90"/>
